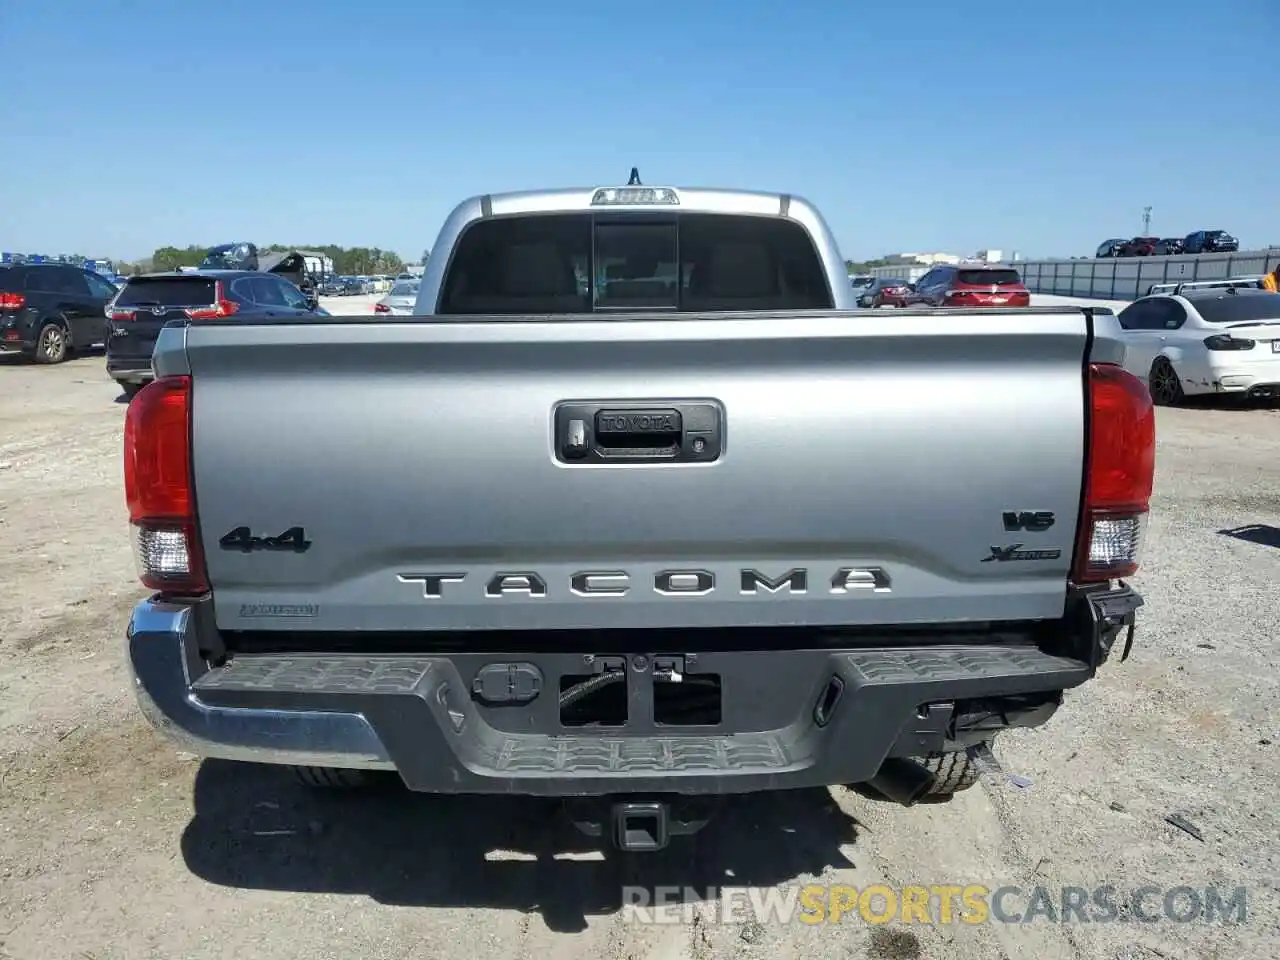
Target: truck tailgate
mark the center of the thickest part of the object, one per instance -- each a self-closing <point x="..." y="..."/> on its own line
<point x="877" y="454"/>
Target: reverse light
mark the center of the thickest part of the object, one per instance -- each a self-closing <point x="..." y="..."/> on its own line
<point x="1224" y="341"/>
<point x="158" y="488"/>
<point x="222" y="307"/>
<point x="1118" y="477"/>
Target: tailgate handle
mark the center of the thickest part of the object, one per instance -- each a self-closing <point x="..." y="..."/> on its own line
<point x="638" y="431"/>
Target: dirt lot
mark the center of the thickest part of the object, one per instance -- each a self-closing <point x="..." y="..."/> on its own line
<point x="114" y="845"/>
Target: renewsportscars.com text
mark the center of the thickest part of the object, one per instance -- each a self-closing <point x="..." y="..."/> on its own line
<point x="936" y="904"/>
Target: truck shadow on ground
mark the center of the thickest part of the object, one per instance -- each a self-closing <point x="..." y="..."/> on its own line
<point x="255" y="828"/>
<point x="1263" y="534"/>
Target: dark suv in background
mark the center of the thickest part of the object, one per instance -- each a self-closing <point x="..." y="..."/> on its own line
<point x="1210" y="241"/>
<point x="148" y="302"/>
<point x="48" y="310"/>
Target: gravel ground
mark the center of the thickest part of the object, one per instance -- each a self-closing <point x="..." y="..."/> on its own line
<point x="113" y="845"/>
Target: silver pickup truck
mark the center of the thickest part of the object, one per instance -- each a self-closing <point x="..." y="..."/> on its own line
<point x="637" y="511"/>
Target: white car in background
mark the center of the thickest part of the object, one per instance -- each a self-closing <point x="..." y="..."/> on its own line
<point x="400" y="301"/>
<point x="1213" y="341"/>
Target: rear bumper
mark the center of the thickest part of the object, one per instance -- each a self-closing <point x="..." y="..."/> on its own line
<point x="130" y="369"/>
<point x="17" y="332"/>
<point x="165" y="662"/>
<point x="1258" y="378"/>
<point x="416" y="714"/>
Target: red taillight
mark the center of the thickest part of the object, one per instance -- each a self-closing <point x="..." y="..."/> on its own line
<point x="222" y="307"/>
<point x="381" y="308"/>
<point x="12" y="301"/>
<point x="120" y="314"/>
<point x="1119" y="475"/>
<point x="158" y="488"/>
<point x="1224" y="341"/>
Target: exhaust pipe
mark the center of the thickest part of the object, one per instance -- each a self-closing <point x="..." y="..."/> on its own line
<point x="902" y="781"/>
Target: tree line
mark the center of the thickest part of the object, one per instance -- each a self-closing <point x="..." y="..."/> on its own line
<point x="347" y="261"/>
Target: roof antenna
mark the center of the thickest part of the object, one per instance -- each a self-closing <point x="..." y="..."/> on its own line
<point x="635" y="178"/>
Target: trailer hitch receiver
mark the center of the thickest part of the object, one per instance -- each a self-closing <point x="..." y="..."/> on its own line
<point x="640" y="827"/>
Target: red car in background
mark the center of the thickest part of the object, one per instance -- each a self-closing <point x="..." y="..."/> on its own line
<point x="961" y="285"/>
<point x="1139" y="247"/>
<point x="885" y="291"/>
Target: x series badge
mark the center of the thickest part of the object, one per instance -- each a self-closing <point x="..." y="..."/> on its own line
<point x="1015" y="552"/>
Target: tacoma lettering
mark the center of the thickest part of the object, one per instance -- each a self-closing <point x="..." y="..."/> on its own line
<point x="796" y="581"/>
<point x="432" y="583"/>
<point x="850" y="579"/>
<point x="684" y="582"/>
<point x="668" y="583"/>
<point x="529" y="584"/>
<point x="603" y="583"/>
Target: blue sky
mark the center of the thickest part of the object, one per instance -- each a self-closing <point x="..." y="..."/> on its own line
<point x="1042" y="127"/>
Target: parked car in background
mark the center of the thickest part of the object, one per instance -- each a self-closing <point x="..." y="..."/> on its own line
<point x="1205" y="341"/>
<point x="139" y="311"/>
<point x="1110" y="248"/>
<point x="1211" y="241"/>
<point x="885" y="291"/>
<point x="340" y="287"/>
<point x="231" y="256"/>
<point x="48" y="310"/>
<point x="1168" y="247"/>
<point x="1139" y="247"/>
<point x="960" y="285"/>
<point x="1254" y="281"/>
<point x="400" y="301"/>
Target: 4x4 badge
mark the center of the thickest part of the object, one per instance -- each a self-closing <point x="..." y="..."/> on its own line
<point x="1015" y="552"/>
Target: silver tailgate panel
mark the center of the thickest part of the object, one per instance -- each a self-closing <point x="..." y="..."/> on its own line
<point x="885" y="441"/>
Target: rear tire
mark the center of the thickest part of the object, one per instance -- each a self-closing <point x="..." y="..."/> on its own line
<point x="1166" y="388"/>
<point x="955" y="772"/>
<point x="131" y="389"/>
<point x="332" y="778"/>
<point x="52" y="343"/>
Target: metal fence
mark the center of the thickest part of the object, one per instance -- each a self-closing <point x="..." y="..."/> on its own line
<point x="1132" y="277"/>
